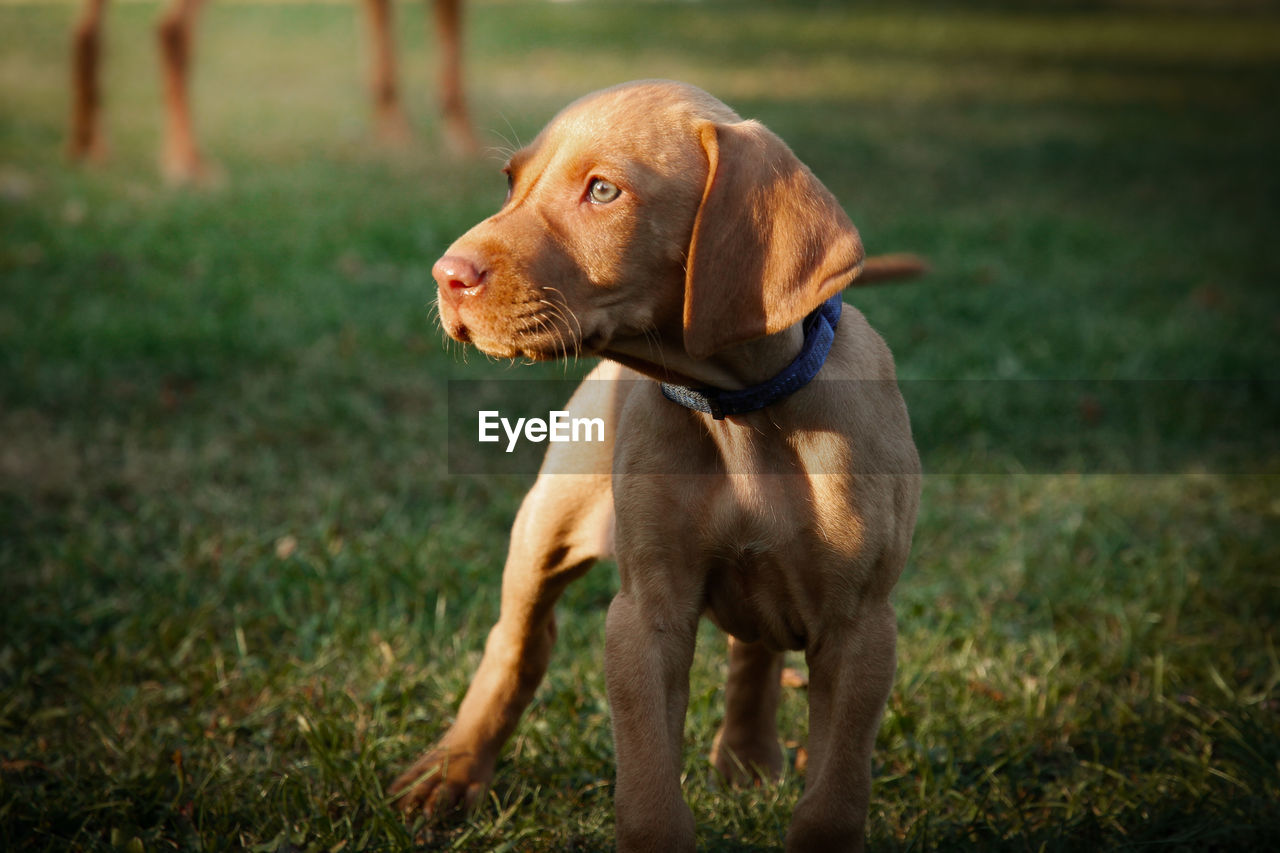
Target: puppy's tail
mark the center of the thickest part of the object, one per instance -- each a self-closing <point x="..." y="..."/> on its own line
<point x="880" y="268"/>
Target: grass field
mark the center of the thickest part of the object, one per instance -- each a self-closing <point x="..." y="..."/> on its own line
<point x="242" y="587"/>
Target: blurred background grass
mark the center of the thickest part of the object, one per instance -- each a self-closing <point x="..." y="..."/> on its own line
<point x="243" y="587"/>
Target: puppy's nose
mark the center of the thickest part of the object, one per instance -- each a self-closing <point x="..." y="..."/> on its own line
<point x="455" y="274"/>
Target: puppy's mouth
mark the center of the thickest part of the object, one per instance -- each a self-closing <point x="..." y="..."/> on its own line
<point x="538" y="329"/>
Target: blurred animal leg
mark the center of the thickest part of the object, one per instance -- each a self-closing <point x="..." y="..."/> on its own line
<point x="180" y="158"/>
<point x="453" y="104"/>
<point x="390" y="124"/>
<point x="87" y="141"/>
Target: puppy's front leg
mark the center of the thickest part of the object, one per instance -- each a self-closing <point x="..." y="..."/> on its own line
<point x="850" y="676"/>
<point x="647" y="658"/>
<point x="564" y="525"/>
<point x="561" y="529"/>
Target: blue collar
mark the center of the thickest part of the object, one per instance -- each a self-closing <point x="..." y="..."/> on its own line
<point x="819" y="332"/>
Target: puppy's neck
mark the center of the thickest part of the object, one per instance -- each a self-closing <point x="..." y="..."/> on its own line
<point x="731" y="369"/>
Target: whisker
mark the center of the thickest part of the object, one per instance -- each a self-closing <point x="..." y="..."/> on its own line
<point x="564" y="303"/>
<point x="565" y="316"/>
<point x="571" y="321"/>
<point x="557" y="313"/>
<point x="500" y="153"/>
<point x="511" y="128"/>
<point x="650" y="331"/>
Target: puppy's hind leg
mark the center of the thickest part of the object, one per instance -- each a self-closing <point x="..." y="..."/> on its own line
<point x="746" y="748"/>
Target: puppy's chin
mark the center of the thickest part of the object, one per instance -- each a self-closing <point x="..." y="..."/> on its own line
<point x="546" y="343"/>
<point x="529" y="350"/>
<point x="457" y="331"/>
<point x="490" y="345"/>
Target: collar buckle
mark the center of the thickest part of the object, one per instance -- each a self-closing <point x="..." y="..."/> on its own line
<point x="819" y="332"/>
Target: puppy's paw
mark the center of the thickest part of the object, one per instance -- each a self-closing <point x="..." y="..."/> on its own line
<point x="744" y="761"/>
<point x="444" y="781"/>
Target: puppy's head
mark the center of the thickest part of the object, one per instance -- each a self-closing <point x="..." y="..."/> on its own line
<point x="647" y="210"/>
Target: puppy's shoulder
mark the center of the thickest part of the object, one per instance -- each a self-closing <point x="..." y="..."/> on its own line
<point x="858" y="352"/>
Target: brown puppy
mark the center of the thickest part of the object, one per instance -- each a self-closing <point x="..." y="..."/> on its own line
<point x="649" y="224"/>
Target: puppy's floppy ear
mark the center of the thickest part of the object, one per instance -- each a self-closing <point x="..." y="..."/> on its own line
<point x="770" y="243"/>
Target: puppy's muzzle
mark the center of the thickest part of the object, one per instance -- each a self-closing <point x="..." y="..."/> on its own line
<point x="459" y="279"/>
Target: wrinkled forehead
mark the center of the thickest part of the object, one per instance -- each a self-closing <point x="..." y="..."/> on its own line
<point x="657" y="122"/>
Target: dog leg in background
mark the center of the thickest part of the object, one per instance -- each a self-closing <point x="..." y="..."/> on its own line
<point x="87" y="141"/>
<point x="180" y="159"/>
<point x="390" y="125"/>
<point x="458" y="133"/>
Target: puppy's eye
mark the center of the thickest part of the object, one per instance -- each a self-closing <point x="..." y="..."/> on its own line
<point x="511" y="184"/>
<point x="602" y="191"/>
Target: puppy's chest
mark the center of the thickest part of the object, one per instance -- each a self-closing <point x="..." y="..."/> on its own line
<point x="761" y="526"/>
<point x="757" y="547"/>
<point x="764" y="562"/>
